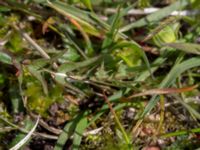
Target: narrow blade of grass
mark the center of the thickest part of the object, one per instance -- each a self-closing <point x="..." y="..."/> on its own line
<point x="78" y="133"/>
<point x="186" y="47"/>
<point x="67" y="132"/>
<point x="82" y="17"/>
<point x="67" y="67"/>
<point x="158" y="15"/>
<point x="170" y="78"/>
<point x="179" y="133"/>
<point x="163" y="91"/>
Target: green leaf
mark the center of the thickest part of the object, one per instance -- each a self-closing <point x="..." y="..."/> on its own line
<point x="170" y="78"/>
<point x="186" y="47"/>
<point x="190" y="109"/>
<point x="40" y="63"/>
<point x="78" y="134"/>
<point x="71" y="66"/>
<point x="131" y="57"/>
<point x="39" y="1"/>
<point x="156" y="16"/>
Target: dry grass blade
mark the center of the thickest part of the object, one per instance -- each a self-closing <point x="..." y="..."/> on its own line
<point x="162" y="91"/>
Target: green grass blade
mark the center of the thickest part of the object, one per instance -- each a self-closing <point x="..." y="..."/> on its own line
<point x="67" y="132"/>
<point x="194" y="113"/>
<point x="81" y="125"/>
<point x="110" y="36"/>
<point x="67" y="67"/>
<point x="178" y="133"/>
<point x="145" y="74"/>
<point x="186" y="47"/>
<point x="170" y="78"/>
<point x="158" y="15"/>
<point x="82" y="17"/>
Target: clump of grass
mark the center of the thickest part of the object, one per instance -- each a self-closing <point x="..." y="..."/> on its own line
<point x="85" y="63"/>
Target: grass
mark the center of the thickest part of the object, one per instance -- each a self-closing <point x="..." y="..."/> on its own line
<point x="82" y="74"/>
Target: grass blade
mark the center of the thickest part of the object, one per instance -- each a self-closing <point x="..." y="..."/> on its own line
<point x="67" y="132"/>
<point x="110" y="36"/>
<point x="170" y="78"/>
<point x="80" y="127"/>
<point x="186" y="47"/>
<point x="82" y="17"/>
<point x="163" y="91"/>
<point x="158" y="15"/>
<point x="38" y="76"/>
<point x="178" y="133"/>
<point x="67" y="67"/>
